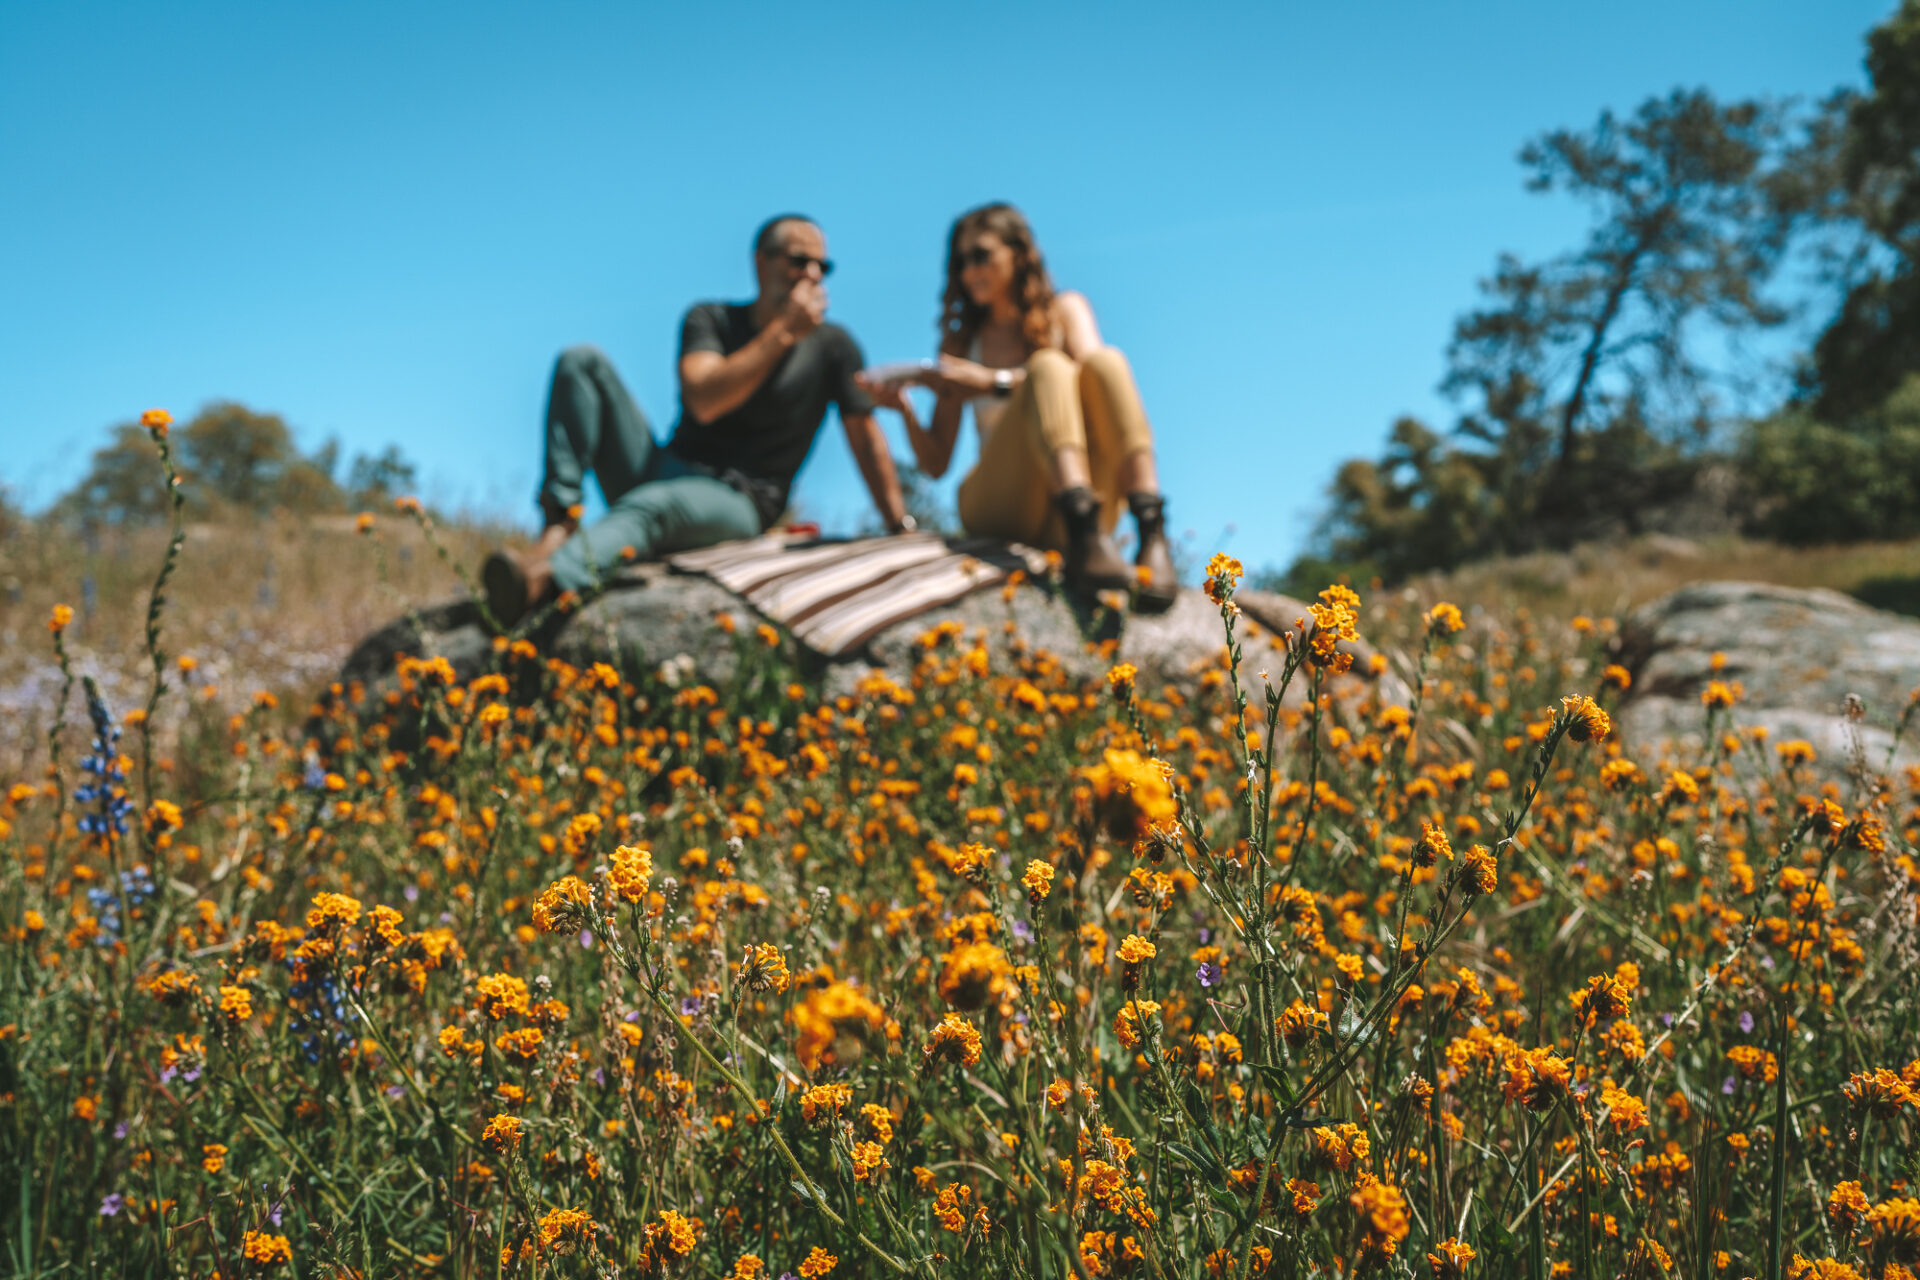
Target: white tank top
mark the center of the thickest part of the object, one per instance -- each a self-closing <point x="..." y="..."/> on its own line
<point x="987" y="406"/>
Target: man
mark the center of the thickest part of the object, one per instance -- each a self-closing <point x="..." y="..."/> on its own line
<point x="755" y="382"/>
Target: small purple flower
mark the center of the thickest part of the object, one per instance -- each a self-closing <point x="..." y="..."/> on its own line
<point x="1209" y="974"/>
<point x="396" y="1091"/>
<point x="411" y="893"/>
<point x="111" y="1205"/>
<point x="1206" y="937"/>
<point x="1746" y="1022"/>
<point x="633" y="1015"/>
<point x="167" y="1074"/>
<point x="1728" y="1085"/>
<point x="689" y="1006"/>
<point x="586" y="939"/>
<point x="1022" y="930"/>
<point x="1666" y="1020"/>
<point x="120" y="1132"/>
<point x="191" y="1074"/>
<point x="1766" y="961"/>
<point x="275" y="1214"/>
<point x="599" y="1076"/>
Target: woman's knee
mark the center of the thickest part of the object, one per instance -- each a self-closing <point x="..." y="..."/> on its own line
<point x="1107" y="367"/>
<point x="1050" y="364"/>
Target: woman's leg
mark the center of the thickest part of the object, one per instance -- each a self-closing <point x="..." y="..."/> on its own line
<point x="1049" y="417"/>
<point x="1121" y="463"/>
<point x="1119" y="441"/>
<point x="1009" y="492"/>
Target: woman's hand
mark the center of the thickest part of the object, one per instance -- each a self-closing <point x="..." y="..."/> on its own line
<point x="887" y="393"/>
<point x="962" y="377"/>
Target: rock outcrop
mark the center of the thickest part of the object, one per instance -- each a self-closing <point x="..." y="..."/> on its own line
<point x="1798" y="654"/>
<point x="651" y="616"/>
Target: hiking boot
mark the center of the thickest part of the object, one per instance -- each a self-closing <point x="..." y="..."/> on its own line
<point x="514" y="583"/>
<point x="1158" y="584"/>
<point x="1091" y="562"/>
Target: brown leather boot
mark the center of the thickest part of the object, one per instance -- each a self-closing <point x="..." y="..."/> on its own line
<point x="1092" y="563"/>
<point x="516" y="581"/>
<point x="1158" y="582"/>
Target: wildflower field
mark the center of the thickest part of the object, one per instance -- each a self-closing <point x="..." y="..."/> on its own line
<point x="985" y="972"/>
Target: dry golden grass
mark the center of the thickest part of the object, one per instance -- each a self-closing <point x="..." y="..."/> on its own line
<point x="271" y="605"/>
<point x="1613" y="579"/>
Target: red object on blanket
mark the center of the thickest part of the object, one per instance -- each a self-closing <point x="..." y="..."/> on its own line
<point x="804" y="529"/>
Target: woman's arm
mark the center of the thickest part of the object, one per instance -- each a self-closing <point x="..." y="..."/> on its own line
<point x="932" y="446"/>
<point x="1077" y="327"/>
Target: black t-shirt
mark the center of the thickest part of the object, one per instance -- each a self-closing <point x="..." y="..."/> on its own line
<point x="769" y="436"/>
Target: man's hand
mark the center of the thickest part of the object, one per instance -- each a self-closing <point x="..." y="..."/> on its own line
<point x="805" y="309"/>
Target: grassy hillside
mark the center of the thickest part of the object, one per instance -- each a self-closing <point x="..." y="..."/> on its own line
<point x="980" y="972"/>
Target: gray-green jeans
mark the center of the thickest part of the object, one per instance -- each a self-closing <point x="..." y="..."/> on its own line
<point x="657" y="503"/>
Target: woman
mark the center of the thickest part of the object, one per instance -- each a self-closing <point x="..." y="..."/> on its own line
<point x="1063" y="437"/>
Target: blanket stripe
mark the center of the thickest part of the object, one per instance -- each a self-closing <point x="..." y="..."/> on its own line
<point x="834" y="596"/>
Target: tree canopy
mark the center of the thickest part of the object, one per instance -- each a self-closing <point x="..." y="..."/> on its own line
<point x="232" y="459"/>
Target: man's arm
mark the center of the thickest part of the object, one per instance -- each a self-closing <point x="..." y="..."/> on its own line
<point x="869" y="445"/>
<point x="712" y="385"/>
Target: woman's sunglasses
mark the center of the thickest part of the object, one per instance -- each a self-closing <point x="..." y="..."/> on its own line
<point x="978" y="256"/>
<point x="801" y="261"/>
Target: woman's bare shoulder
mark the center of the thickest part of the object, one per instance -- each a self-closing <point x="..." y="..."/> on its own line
<point x="1071" y="303"/>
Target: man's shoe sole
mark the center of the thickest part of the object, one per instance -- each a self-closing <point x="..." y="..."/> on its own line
<point x="505" y="584"/>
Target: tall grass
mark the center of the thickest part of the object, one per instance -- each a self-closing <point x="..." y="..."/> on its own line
<point x="978" y="972"/>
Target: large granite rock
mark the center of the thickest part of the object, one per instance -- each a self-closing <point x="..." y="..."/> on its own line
<point x="1798" y="653"/>
<point x="651" y="617"/>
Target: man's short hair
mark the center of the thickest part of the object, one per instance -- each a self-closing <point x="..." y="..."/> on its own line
<point x="763" y="238"/>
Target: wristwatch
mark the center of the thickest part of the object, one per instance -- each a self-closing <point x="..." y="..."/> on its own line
<point x="1003" y="382"/>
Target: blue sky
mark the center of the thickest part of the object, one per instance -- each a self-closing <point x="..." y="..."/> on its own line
<point x="382" y="220"/>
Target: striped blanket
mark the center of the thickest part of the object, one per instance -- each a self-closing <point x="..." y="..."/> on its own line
<point x="835" y="595"/>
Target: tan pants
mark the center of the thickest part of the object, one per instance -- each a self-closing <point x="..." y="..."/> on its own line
<point x="1092" y="406"/>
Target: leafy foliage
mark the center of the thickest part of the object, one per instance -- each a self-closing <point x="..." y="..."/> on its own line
<point x="235" y="459"/>
<point x="1812" y="481"/>
<point x="1873" y="344"/>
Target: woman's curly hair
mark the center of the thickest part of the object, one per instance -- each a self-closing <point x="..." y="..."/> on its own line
<point x="1032" y="286"/>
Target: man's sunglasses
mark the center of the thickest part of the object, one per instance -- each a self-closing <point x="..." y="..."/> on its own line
<point x="801" y="261"/>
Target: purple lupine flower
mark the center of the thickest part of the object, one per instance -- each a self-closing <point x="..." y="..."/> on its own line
<point x="111" y="1205"/>
<point x="1209" y="974"/>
